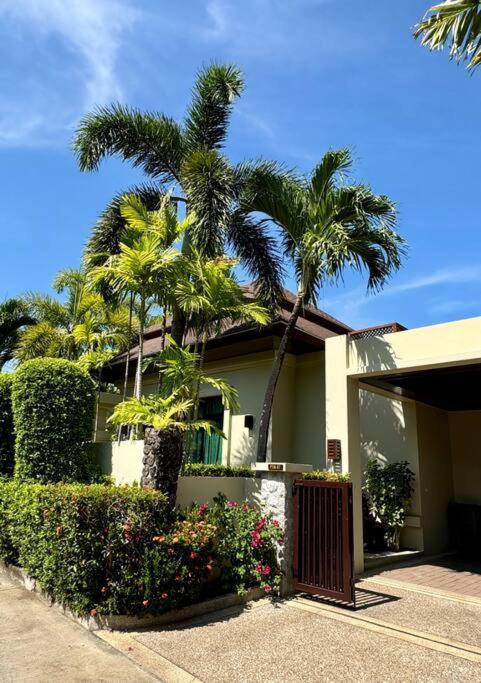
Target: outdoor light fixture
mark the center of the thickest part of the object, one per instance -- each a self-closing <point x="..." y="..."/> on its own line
<point x="249" y="421"/>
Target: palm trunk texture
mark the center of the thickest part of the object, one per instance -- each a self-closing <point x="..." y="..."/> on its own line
<point x="162" y="461"/>
<point x="271" y="385"/>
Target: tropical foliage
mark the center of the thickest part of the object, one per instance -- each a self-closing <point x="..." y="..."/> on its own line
<point x="15" y="316"/>
<point x="457" y="25"/>
<point x="326" y="225"/>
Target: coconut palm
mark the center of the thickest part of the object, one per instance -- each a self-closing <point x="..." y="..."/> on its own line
<point x="15" y="316"/>
<point x="185" y="158"/>
<point x="325" y="226"/>
<point x="457" y="24"/>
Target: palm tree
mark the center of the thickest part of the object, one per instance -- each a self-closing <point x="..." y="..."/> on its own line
<point x="166" y="417"/>
<point x="146" y="264"/>
<point x="80" y="324"/>
<point x="15" y="316"/>
<point x="325" y="226"/>
<point x="185" y="158"/>
<point x="456" y="23"/>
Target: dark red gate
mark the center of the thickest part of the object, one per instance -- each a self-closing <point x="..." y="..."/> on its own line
<point x="323" y="558"/>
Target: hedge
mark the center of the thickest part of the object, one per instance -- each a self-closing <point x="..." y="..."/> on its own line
<point x="326" y="475"/>
<point x="119" y="550"/>
<point x="7" y="438"/>
<point x="54" y="408"/>
<point x="83" y="543"/>
<point x="203" y="470"/>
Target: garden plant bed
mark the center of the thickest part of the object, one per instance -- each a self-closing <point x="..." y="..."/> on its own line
<point x="124" y="622"/>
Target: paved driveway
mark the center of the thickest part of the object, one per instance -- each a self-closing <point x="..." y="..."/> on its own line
<point x="40" y="644"/>
<point x="301" y="640"/>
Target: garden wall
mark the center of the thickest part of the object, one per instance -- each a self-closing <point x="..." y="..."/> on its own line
<point x="123" y="462"/>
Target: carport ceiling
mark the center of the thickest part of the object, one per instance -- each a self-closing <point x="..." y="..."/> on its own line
<point x="449" y="388"/>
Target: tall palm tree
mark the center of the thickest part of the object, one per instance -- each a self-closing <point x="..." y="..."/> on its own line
<point x="456" y="23"/>
<point x="325" y="226"/>
<point x="15" y="316"/>
<point x="185" y="158"/>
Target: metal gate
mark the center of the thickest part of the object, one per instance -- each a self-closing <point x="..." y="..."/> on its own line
<point x="323" y="557"/>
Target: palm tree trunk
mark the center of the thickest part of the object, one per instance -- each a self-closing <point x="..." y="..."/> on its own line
<point x="127" y="360"/>
<point x="162" y="461"/>
<point x="201" y="367"/>
<point x="140" y="357"/>
<point x="162" y="345"/>
<point x="274" y="376"/>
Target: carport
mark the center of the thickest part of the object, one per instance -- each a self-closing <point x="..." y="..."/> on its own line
<point x="412" y="394"/>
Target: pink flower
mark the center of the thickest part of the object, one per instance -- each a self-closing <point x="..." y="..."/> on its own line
<point x="93" y="612"/>
<point x="232" y="504"/>
<point x="258" y="569"/>
<point x="193" y="555"/>
<point x="275" y="523"/>
<point x="261" y="524"/>
<point x="266" y="570"/>
<point x="202" y="509"/>
<point x="145" y="603"/>
<point x="164" y="596"/>
<point x="267" y="589"/>
<point x="256" y="540"/>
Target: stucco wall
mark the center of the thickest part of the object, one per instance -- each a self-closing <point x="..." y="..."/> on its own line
<point x="436" y="472"/>
<point x="307" y="407"/>
<point x="389" y="434"/>
<point x="465" y="433"/>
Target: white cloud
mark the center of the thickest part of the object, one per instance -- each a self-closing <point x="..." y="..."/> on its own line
<point x="72" y="47"/>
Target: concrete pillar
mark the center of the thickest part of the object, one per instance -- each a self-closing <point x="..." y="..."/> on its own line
<point x="342" y="422"/>
<point x="276" y="498"/>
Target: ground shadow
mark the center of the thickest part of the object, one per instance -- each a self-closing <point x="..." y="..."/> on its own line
<point x="363" y="600"/>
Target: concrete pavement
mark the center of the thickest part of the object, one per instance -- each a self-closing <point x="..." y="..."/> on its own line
<point x="39" y="644"/>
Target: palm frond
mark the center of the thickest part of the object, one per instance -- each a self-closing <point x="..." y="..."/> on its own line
<point x="216" y="88"/>
<point x="455" y="24"/>
<point x="150" y="141"/>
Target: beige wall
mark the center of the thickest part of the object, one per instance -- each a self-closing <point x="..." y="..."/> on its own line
<point x="388" y="432"/>
<point x="465" y="437"/>
<point x="436" y="475"/>
<point x="307" y="407"/>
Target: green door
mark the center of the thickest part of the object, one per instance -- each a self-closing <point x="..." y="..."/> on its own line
<point x="203" y="447"/>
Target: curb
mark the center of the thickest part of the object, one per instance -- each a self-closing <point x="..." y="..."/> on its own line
<point x="124" y="622"/>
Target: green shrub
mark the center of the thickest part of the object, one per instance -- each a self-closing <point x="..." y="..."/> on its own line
<point x="118" y="550"/>
<point x="325" y="475"/>
<point x="202" y="470"/>
<point x="388" y="489"/>
<point x="53" y="412"/>
<point x="85" y="544"/>
<point x="7" y="437"/>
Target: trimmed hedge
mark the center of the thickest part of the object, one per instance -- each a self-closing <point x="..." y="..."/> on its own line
<point x="84" y="544"/>
<point x="120" y="550"/>
<point x="7" y="437"/>
<point x="325" y="475"/>
<point x="54" y="408"/>
<point x="202" y="470"/>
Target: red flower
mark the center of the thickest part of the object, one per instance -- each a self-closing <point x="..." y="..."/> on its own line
<point x="93" y="612"/>
<point x="261" y="523"/>
<point x="164" y="596"/>
<point x="267" y="589"/>
<point x="202" y="509"/>
<point x="209" y="567"/>
<point x="275" y="523"/>
<point x="266" y="571"/>
<point x="145" y="602"/>
<point x="256" y="540"/>
<point x="193" y="555"/>
<point x="232" y="504"/>
<point x="104" y="589"/>
<point x="258" y="568"/>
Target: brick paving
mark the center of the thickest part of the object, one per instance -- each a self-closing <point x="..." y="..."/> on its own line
<point x="452" y="574"/>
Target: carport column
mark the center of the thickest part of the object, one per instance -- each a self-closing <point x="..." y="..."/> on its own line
<point x="277" y="499"/>
<point x="342" y="422"/>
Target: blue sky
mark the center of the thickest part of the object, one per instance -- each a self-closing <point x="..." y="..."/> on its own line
<point x="319" y="73"/>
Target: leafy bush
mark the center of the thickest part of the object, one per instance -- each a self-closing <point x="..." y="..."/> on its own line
<point x="84" y="544"/>
<point x="7" y="437"/>
<point x="53" y="410"/>
<point x="388" y="490"/>
<point x="325" y="475"/>
<point x="203" y="470"/>
<point x="117" y="550"/>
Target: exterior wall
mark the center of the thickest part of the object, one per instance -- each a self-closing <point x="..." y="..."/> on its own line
<point x="389" y="434"/>
<point x="436" y="475"/>
<point x="307" y="406"/>
<point x="123" y="462"/>
<point x="283" y="413"/>
<point x="105" y="407"/>
<point x="465" y="434"/>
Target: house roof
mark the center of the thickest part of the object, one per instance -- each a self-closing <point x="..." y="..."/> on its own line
<point x="313" y="327"/>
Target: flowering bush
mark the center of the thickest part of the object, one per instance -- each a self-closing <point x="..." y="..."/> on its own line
<point x="118" y="550"/>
